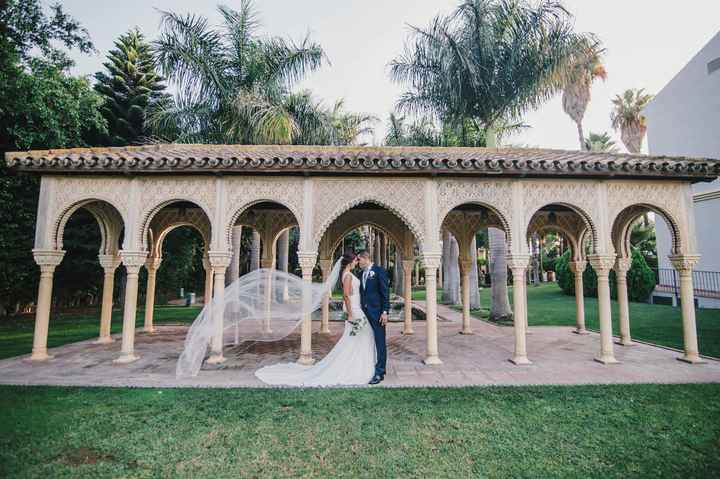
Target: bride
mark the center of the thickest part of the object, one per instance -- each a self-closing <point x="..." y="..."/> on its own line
<point x="351" y="361"/>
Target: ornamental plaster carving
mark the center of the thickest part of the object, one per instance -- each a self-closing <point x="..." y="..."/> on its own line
<point x="168" y="219"/>
<point x="495" y="195"/>
<point x="156" y="193"/>
<point x="581" y="196"/>
<point x="242" y="193"/>
<point x="268" y="223"/>
<point x="404" y="197"/>
<point x="627" y="200"/>
<point x="74" y="192"/>
<point x="567" y="223"/>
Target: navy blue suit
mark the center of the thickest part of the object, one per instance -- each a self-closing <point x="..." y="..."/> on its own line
<point x="375" y="298"/>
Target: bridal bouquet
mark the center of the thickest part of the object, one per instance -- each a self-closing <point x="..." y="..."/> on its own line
<point x="357" y="324"/>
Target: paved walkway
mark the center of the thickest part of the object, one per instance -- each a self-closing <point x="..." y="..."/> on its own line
<point x="558" y="355"/>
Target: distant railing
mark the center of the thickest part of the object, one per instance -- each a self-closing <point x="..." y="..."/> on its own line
<point x="706" y="284"/>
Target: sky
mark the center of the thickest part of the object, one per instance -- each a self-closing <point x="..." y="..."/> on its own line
<point x="647" y="42"/>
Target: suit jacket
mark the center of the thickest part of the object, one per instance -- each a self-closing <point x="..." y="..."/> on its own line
<point x="375" y="294"/>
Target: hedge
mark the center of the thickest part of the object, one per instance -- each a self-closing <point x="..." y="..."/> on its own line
<point x="640" y="278"/>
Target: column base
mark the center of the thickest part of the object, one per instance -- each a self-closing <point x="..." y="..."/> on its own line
<point x="581" y="332"/>
<point x="150" y="330"/>
<point x="324" y="330"/>
<point x="432" y="361"/>
<point x="607" y="360"/>
<point x="626" y="342"/>
<point x="104" y="340"/>
<point x="40" y="356"/>
<point x="467" y="332"/>
<point x="126" y="358"/>
<point x="215" y="358"/>
<point x="408" y="332"/>
<point x="520" y="361"/>
<point x="694" y="359"/>
<point x="306" y="360"/>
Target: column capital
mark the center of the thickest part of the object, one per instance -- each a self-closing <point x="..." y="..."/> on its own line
<point x="109" y="262"/>
<point x="622" y="265"/>
<point x="133" y="260"/>
<point x="518" y="261"/>
<point x="219" y="260"/>
<point x="307" y="260"/>
<point x="326" y="265"/>
<point x="48" y="259"/>
<point x="431" y="260"/>
<point x="153" y="263"/>
<point x="577" y="266"/>
<point x="602" y="263"/>
<point x="684" y="263"/>
<point x="408" y="265"/>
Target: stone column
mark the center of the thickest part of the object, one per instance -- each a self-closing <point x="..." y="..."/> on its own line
<point x="578" y="267"/>
<point x="408" y="265"/>
<point x="326" y="268"/>
<point x="208" y="281"/>
<point x="269" y="264"/>
<point x="48" y="260"/>
<point x="152" y="265"/>
<point x="234" y="269"/>
<point x="431" y="263"/>
<point x="219" y="261"/>
<point x="133" y="261"/>
<point x="602" y="264"/>
<point x="518" y="264"/>
<point x="109" y="263"/>
<point x="684" y="264"/>
<point x="255" y="251"/>
<point x="465" y="265"/>
<point x="307" y="264"/>
<point x="283" y="256"/>
<point x="622" y="266"/>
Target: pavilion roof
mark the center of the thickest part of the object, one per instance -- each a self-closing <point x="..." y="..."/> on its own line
<point x="348" y="160"/>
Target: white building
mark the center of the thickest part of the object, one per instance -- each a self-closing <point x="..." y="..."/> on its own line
<point x="684" y="120"/>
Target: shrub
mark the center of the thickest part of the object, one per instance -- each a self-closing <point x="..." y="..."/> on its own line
<point x="640" y="278"/>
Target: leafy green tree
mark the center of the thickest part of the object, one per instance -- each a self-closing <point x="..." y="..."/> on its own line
<point x="130" y="88"/>
<point x="600" y="142"/>
<point x="628" y="118"/>
<point x="231" y="81"/>
<point x="41" y="107"/>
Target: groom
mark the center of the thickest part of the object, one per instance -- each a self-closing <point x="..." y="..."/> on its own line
<point x="375" y="300"/>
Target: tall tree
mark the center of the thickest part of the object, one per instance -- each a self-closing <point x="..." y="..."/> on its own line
<point x="581" y="70"/>
<point x="224" y="74"/>
<point x="628" y="118"/>
<point x="131" y="87"/>
<point x="488" y="61"/>
<point x="500" y="306"/>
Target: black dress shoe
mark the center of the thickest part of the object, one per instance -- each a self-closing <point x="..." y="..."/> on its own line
<point x="376" y="380"/>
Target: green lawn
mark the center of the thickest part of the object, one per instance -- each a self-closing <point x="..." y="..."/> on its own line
<point x="588" y="431"/>
<point x="16" y="333"/>
<point x="548" y="306"/>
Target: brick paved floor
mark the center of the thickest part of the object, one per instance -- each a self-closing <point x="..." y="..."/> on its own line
<point x="558" y="355"/>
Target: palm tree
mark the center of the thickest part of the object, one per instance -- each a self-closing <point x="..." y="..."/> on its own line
<point x="229" y="77"/>
<point x="583" y="68"/>
<point x="500" y="307"/>
<point x="130" y="89"/>
<point x="628" y="118"/>
<point x="600" y="142"/>
<point x="487" y="61"/>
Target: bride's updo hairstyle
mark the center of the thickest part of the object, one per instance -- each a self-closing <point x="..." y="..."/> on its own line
<point x="347" y="258"/>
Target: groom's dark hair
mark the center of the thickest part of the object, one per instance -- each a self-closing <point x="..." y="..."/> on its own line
<point x="364" y="253"/>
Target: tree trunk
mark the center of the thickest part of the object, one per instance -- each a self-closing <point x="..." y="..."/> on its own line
<point x="451" y="272"/>
<point x="500" y="307"/>
<point x="474" y="283"/>
<point x="581" y="136"/>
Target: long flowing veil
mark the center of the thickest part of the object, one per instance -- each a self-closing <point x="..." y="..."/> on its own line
<point x="264" y="305"/>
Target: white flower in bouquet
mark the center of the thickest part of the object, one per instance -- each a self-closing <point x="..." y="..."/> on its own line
<point x="357" y="324"/>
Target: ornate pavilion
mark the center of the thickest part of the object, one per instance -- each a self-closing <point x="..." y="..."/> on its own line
<point x="139" y="194"/>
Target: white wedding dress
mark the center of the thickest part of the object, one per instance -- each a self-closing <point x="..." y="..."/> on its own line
<point x="350" y="362"/>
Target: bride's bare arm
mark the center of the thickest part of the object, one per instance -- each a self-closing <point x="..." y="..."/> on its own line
<point x="347" y="291"/>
